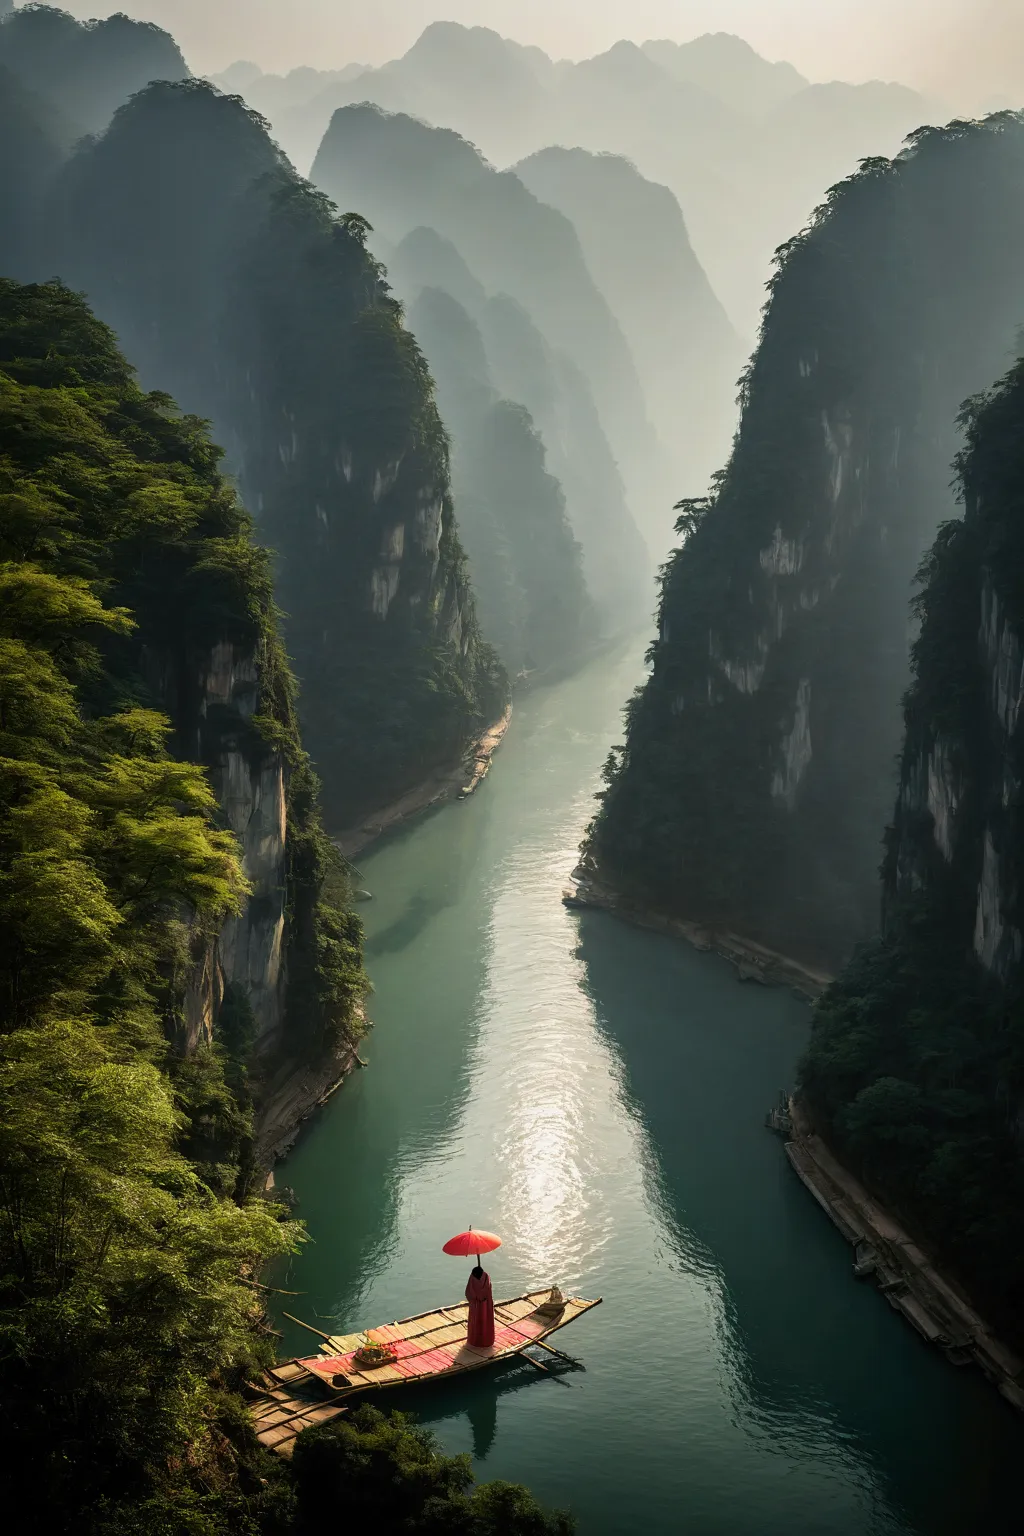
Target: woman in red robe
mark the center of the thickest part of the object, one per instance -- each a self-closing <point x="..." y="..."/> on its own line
<point x="481" y="1310"/>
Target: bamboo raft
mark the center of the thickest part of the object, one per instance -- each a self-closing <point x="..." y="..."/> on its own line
<point x="315" y="1389"/>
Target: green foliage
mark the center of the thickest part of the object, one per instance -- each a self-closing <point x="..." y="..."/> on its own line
<point x="916" y="1063"/>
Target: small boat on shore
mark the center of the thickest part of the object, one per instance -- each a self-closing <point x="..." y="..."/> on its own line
<point x="313" y="1389"/>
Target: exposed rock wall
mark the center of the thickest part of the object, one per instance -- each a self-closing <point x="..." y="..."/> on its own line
<point x="759" y="767"/>
<point x="252" y="791"/>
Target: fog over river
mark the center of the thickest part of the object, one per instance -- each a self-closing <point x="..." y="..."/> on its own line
<point x="596" y="1094"/>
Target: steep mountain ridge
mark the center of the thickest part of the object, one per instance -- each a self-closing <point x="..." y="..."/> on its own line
<point x="783" y="633"/>
<point x="527" y="569"/>
<point x="709" y="119"/>
<point x="86" y="70"/>
<point x="402" y="173"/>
<point x="237" y="286"/>
<point x="524" y="368"/>
<point x="686" y="351"/>
<point x="154" y="527"/>
<point x="489" y="89"/>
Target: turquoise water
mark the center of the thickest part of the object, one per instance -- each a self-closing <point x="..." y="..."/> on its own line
<point x="596" y="1095"/>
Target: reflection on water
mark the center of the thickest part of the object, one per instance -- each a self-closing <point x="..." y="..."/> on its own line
<point x="597" y="1095"/>
<point x="482" y="1412"/>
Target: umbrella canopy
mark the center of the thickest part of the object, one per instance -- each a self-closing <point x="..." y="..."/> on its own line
<point x="465" y="1243"/>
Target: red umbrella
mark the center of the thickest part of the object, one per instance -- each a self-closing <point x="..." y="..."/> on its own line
<point x="465" y="1243"/>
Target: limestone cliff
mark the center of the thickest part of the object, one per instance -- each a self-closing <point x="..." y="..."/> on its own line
<point x="757" y="773"/>
<point x="915" y="1066"/>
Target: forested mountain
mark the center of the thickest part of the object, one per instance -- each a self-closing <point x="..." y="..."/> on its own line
<point x="141" y="680"/>
<point x="757" y="772"/>
<point x="233" y="283"/>
<point x="686" y="351"/>
<point x="59" y="79"/>
<point x="85" y="70"/>
<point x="401" y="173"/>
<point x="524" y="368"/>
<point x="915" y="1064"/>
<point x="526" y="568"/>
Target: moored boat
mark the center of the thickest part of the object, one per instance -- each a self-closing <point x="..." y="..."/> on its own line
<point x="313" y="1389"/>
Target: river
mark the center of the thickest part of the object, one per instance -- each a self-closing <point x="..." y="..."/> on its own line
<point x="596" y="1094"/>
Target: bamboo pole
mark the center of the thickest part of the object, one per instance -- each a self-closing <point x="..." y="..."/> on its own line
<point x="552" y="1351"/>
<point x="301" y="1324"/>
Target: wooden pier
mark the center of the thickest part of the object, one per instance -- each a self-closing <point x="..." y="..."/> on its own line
<point x="285" y="1403"/>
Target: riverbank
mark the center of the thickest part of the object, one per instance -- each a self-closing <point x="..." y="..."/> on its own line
<point x="906" y="1275"/>
<point x="452" y="781"/>
<point x="292" y="1095"/>
<point x="754" y="962"/>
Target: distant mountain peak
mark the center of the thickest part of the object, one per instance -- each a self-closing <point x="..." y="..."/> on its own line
<point x="730" y="68"/>
<point x="624" y="63"/>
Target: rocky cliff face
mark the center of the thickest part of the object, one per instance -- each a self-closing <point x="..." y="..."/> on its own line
<point x="236" y="287"/>
<point x="914" y="1069"/>
<point x="252" y="791"/>
<point x="955" y="838"/>
<point x="757" y="772"/>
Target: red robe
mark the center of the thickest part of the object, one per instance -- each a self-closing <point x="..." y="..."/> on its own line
<point x="481" y="1312"/>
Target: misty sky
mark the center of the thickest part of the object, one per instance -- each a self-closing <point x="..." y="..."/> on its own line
<point x="969" y="48"/>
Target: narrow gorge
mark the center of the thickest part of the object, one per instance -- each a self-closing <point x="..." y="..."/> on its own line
<point x="343" y="404"/>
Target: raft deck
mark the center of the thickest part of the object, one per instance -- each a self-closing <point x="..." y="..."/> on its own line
<point x="317" y="1388"/>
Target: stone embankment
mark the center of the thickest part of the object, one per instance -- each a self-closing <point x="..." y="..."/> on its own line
<point x="453" y="781"/>
<point x="753" y="962"/>
<point x="903" y="1271"/>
